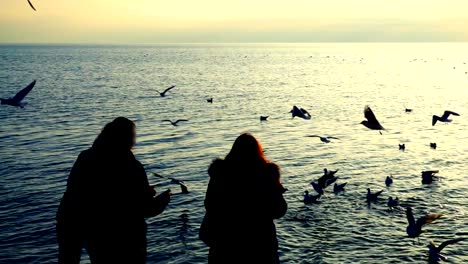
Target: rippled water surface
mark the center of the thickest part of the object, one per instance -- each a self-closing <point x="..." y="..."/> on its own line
<point x="80" y="88"/>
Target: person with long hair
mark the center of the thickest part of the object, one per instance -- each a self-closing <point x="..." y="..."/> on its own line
<point x="106" y="201"/>
<point x="243" y="198"/>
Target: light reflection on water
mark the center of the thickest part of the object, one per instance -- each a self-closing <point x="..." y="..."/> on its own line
<point x="80" y="88"/>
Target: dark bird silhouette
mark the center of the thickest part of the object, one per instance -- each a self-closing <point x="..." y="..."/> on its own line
<point x="371" y="122"/>
<point x="317" y="188"/>
<point x="31" y="5"/>
<point x="308" y="199"/>
<point x="373" y="197"/>
<point x="429" y="176"/>
<point x="414" y="228"/>
<point x="300" y="112"/>
<point x="328" y="173"/>
<point x="401" y="147"/>
<point x="323" y="139"/>
<point x="17" y="99"/>
<point x="163" y="94"/>
<point x="182" y="185"/>
<point x="434" y="251"/>
<point x="210" y="100"/>
<point x="391" y="203"/>
<point x="388" y="181"/>
<point x="339" y="187"/>
<point x="408" y="110"/>
<point x="176" y="123"/>
<point x="433" y="145"/>
<point x="444" y="118"/>
<point x="263" y="118"/>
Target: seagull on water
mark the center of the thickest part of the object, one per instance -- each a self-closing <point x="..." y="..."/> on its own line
<point x="300" y="112"/>
<point x="372" y="197"/>
<point x="17" y="99"/>
<point x="176" y="122"/>
<point x="210" y="100"/>
<point x="401" y="147"/>
<point x="429" y="176"/>
<point x="182" y="185"/>
<point x="444" y="118"/>
<point x="434" y="251"/>
<point x="323" y="139"/>
<point x="263" y="118"/>
<point x="371" y="122"/>
<point x="31" y="5"/>
<point x="392" y="202"/>
<point x="408" y="110"/>
<point x="339" y="187"/>
<point x="433" y="145"/>
<point x="163" y="94"/>
<point x="308" y="199"/>
<point x="388" y="181"/>
<point x="414" y="228"/>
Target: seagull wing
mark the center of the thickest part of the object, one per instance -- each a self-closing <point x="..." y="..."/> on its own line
<point x="378" y="193"/>
<point x="180" y="120"/>
<point x="410" y="216"/>
<point x="30" y="4"/>
<point x="449" y="242"/>
<point x="317" y="188"/>
<point x="157" y="175"/>
<point x="168" y="89"/>
<point x="369" y="115"/>
<point x="435" y="119"/>
<point x="427" y="219"/>
<point x="313" y="136"/>
<point x="333" y="137"/>
<point x="448" y="113"/>
<point x="21" y="94"/>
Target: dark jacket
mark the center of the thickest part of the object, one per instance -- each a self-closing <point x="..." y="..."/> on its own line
<point x="241" y="203"/>
<point x="105" y="205"/>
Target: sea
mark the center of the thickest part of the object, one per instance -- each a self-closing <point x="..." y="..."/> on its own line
<point x="80" y="88"/>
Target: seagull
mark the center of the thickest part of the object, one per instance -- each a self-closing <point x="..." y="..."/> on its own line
<point x="330" y="181"/>
<point x="444" y="118"/>
<point x="401" y="147"/>
<point x="30" y="4"/>
<point x="328" y="173"/>
<point x="308" y="199"/>
<point x="210" y="100"/>
<point x="434" y="251"/>
<point x="182" y="185"/>
<point x="324" y="139"/>
<point x="339" y="187"/>
<point x="263" y="118"/>
<point x="176" y="122"/>
<point x="392" y="202"/>
<point x="16" y="100"/>
<point x="388" y="181"/>
<point x="317" y="188"/>
<point x="372" y="197"/>
<point x="300" y="112"/>
<point x="414" y="228"/>
<point x="429" y="176"/>
<point x="433" y="145"/>
<point x="408" y="110"/>
<point x="371" y="122"/>
<point x="163" y="94"/>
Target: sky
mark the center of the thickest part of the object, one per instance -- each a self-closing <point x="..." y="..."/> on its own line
<point x="204" y="21"/>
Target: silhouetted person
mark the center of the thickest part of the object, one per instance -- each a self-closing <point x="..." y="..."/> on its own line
<point x="244" y="196"/>
<point x="107" y="200"/>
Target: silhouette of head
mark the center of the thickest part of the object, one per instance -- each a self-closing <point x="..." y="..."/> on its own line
<point x="246" y="148"/>
<point x="120" y="134"/>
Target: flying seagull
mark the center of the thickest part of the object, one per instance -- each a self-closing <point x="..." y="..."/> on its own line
<point x="300" y="112"/>
<point x="372" y="197"/>
<point x="414" y="228"/>
<point x="264" y="118"/>
<point x="444" y="118"/>
<point x="308" y="199"/>
<point x="371" y="122"/>
<point x="163" y="94"/>
<point x="433" y="145"/>
<point x="30" y="4"/>
<point x="16" y="100"/>
<point x="339" y="187"/>
<point x="317" y="188"/>
<point x="182" y="185"/>
<point x="176" y="122"/>
<point x="401" y="147"/>
<point x="324" y="139"/>
<point x="434" y="251"/>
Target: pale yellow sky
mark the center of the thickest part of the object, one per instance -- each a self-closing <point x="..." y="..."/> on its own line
<point x="155" y="21"/>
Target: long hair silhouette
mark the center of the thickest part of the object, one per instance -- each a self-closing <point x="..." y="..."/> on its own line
<point x="116" y="135"/>
<point x="246" y="149"/>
